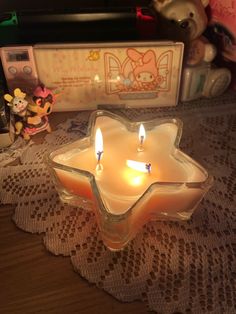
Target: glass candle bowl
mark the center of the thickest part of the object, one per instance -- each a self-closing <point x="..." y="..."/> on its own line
<point x="168" y="184"/>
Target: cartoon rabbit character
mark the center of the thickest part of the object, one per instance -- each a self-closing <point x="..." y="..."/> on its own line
<point x="18" y="105"/>
<point x="145" y="71"/>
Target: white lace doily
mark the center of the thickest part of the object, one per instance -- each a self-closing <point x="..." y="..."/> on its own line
<point x="187" y="267"/>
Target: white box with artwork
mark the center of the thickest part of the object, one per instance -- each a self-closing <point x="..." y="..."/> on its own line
<point x="88" y="76"/>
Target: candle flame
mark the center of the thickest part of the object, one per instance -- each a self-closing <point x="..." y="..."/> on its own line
<point x="139" y="166"/>
<point x="98" y="144"/>
<point x="142" y="133"/>
<point x="97" y="78"/>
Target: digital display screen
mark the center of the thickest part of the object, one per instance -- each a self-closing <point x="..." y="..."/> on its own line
<point x="18" y="56"/>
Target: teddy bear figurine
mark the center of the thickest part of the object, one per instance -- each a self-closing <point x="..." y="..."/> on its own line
<point x="199" y="77"/>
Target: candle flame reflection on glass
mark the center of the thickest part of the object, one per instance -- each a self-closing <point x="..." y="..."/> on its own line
<point x="97" y="78"/>
<point x="142" y="137"/>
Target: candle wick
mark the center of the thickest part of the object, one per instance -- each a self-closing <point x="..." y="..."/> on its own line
<point x="148" y="167"/>
<point x="99" y="166"/>
<point x="141" y="139"/>
<point x="99" y="154"/>
<point x="140" y="147"/>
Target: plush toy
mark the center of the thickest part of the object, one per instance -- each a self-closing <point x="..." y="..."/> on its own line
<point x="199" y="77"/>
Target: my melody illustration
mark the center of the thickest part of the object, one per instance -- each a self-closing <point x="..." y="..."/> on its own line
<point x="142" y="74"/>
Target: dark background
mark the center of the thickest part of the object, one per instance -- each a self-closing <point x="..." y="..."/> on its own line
<point x="8" y="5"/>
<point x="113" y="30"/>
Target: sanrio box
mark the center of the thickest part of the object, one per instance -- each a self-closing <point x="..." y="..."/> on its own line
<point x="88" y="76"/>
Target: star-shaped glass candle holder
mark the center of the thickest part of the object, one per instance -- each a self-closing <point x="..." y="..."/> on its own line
<point x="129" y="173"/>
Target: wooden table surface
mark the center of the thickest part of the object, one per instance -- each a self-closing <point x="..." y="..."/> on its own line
<point x="32" y="280"/>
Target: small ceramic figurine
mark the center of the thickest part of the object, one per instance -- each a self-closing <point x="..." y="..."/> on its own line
<point x="39" y="108"/>
<point x="32" y="112"/>
<point x="18" y="105"/>
<point x="199" y="77"/>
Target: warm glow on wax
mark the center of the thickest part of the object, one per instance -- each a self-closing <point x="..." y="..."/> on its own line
<point x="139" y="166"/>
<point x="98" y="144"/>
<point x="134" y="180"/>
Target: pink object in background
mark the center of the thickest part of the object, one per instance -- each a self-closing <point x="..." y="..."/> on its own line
<point x="222" y="17"/>
<point x="222" y="22"/>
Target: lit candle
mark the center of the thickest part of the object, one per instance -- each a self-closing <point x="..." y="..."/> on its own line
<point x="139" y="166"/>
<point x="123" y="195"/>
<point x="98" y="148"/>
<point x="142" y="136"/>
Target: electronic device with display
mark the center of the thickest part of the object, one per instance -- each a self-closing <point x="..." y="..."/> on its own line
<point x="19" y="67"/>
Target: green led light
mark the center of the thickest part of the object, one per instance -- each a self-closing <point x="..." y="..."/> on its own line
<point x="9" y="21"/>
